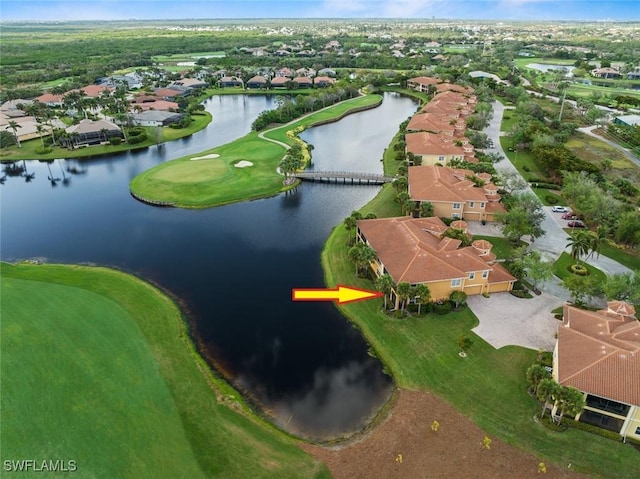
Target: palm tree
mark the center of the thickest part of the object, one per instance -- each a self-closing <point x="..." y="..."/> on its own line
<point x="597" y="240"/>
<point x="14" y="125"/>
<point x="422" y="294"/>
<point x="580" y="243"/>
<point x="570" y="401"/>
<point x="535" y="374"/>
<point x="40" y="130"/>
<point x="351" y="223"/>
<point x="426" y="209"/>
<point x="385" y="284"/>
<point x="403" y="290"/>
<point x="548" y="391"/>
<point x="362" y="255"/>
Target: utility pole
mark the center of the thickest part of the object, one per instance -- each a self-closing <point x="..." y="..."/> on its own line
<point x="564" y="95"/>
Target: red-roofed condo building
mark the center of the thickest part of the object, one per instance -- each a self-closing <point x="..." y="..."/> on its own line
<point x="414" y="250"/>
<point x="598" y="353"/>
<point x="453" y="194"/>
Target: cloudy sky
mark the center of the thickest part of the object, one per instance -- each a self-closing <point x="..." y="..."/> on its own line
<point x="183" y="9"/>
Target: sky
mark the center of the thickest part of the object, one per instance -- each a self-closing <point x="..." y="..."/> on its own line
<point x="43" y="10"/>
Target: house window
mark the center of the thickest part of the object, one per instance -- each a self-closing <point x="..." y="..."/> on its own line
<point x="456" y="206"/>
<point x="472" y="275"/>
<point x="485" y="274"/>
<point x="441" y="158"/>
<point x="637" y="431"/>
<point x="455" y="282"/>
<point x="455" y="215"/>
<point x="482" y="204"/>
<point x="472" y="204"/>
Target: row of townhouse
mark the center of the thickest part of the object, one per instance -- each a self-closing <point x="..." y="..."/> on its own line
<point x="278" y="82"/>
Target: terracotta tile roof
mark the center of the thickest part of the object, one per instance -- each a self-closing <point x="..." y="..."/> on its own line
<point x="424" y="80"/>
<point x="49" y="98"/>
<point x="438" y="183"/>
<point x="94" y="91"/>
<point x="459" y="224"/>
<point x="411" y="250"/>
<point x="257" y="79"/>
<point x="599" y="353"/>
<point x="442" y="87"/>
<point x="280" y="81"/>
<point x="167" y="92"/>
<point x="435" y="123"/>
<point x="303" y="80"/>
<point x="323" y="79"/>
<point x="424" y="143"/>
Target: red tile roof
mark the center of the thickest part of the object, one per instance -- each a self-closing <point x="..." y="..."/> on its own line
<point x="412" y="250"/>
<point x="443" y="184"/>
<point x="599" y="353"/>
<point x="424" y="143"/>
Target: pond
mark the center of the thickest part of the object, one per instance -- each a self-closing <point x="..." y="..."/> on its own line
<point x="232" y="268"/>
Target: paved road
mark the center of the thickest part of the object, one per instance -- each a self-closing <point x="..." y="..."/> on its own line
<point x="589" y="131"/>
<point x="554" y="242"/>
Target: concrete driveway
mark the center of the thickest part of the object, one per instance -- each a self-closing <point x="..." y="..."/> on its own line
<point x="507" y="320"/>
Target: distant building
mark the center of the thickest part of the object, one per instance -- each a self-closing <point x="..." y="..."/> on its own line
<point x="323" y="81"/>
<point x="303" y="82"/>
<point x="257" y="82"/>
<point x="233" y="81"/>
<point x="606" y="72"/>
<point x="156" y="118"/>
<point x="628" y="120"/>
<point x="421" y="83"/>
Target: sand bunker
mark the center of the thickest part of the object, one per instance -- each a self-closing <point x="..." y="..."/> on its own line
<point x="206" y="157"/>
<point x="243" y="164"/>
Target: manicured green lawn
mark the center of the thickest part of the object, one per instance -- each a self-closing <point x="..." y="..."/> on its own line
<point x="629" y="259"/>
<point x="97" y="367"/>
<point x="502" y="247"/>
<point x="523" y="161"/>
<point x="489" y="385"/>
<point x="214" y="182"/>
<point x="562" y="264"/>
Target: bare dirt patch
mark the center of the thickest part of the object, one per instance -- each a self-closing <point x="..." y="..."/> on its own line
<point x="456" y="449"/>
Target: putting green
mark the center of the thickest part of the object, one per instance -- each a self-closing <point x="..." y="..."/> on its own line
<point x="192" y="172"/>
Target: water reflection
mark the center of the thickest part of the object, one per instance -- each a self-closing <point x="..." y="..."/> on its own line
<point x="233" y="267"/>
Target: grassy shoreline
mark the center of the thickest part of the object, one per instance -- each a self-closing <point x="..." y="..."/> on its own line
<point x="216" y="181"/>
<point x="212" y="431"/>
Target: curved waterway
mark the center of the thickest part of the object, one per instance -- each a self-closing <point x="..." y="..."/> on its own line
<point x="233" y="267"/>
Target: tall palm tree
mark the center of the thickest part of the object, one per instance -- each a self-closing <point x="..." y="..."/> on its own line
<point x="426" y="209"/>
<point x="548" y="391"/>
<point x="597" y="240"/>
<point x="14" y="125"/>
<point x="422" y="294"/>
<point x="385" y="284"/>
<point x="535" y="374"/>
<point x="580" y="244"/>
<point x="403" y="290"/>
<point x="40" y="130"/>
<point x="570" y="401"/>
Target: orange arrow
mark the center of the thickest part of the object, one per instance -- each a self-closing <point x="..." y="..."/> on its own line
<point x="342" y="294"/>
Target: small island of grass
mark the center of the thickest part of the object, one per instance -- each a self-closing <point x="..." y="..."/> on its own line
<point x="227" y="178"/>
<point x="98" y="369"/>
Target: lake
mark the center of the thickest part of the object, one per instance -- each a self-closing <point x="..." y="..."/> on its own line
<point x="232" y="268"/>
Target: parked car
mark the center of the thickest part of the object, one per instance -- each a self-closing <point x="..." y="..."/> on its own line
<point x="560" y="209"/>
<point x="576" y="224"/>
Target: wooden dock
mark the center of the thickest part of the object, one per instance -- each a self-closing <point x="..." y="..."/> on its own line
<point x="344" y="177"/>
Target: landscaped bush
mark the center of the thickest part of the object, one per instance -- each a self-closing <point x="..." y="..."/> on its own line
<point x="135" y="140"/>
<point x="43" y="150"/>
<point x="579" y="269"/>
<point x="442" y="308"/>
<point x="115" y="140"/>
<point x="593" y="429"/>
<point x="521" y="294"/>
<point x="551" y="199"/>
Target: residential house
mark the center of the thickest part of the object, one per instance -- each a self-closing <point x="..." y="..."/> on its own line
<point x="323" y="81"/>
<point x="414" y="250"/>
<point x="232" y="81"/>
<point x="15" y="106"/>
<point x="90" y="132"/>
<point x="633" y="75"/>
<point x="421" y="83"/>
<point x="50" y="99"/>
<point x="280" y="82"/>
<point x="284" y="72"/>
<point x="435" y="149"/>
<point x="95" y="91"/>
<point x="454" y="194"/>
<point x="257" y="82"/>
<point x="156" y="118"/>
<point x="446" y="86"/>
<point x="169" y="94"/>
<point x="327" y="72"/>
<point x="302" y="82"/>
<point x="188" y="84"/>
<point x="606" y="72"/>
<point x="598" y="353"/>
<point x="150" y="102"/>
<point x="27" y="125"/>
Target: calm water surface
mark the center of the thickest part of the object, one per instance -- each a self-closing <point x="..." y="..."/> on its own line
<point x="234" y="266"/>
